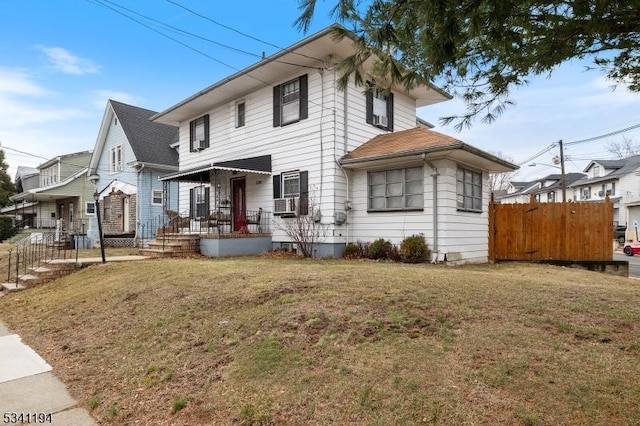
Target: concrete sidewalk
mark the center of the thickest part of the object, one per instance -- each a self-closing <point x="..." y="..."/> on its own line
<point x="28" y="387"/>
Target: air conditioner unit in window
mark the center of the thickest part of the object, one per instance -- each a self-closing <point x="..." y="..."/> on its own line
<point x="380" y="121"/>
<point x="199" y="144"/>
<point x="286" y="206"/>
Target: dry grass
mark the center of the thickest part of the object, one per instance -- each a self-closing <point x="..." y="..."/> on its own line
<point x="286" y="341"/>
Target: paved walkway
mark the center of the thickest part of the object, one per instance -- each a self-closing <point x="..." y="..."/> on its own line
<point x="29" y="388"/>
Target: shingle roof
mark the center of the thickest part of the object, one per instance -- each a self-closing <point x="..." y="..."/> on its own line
<point x="406" y="141"/>
<point x="150" y="141"/>
<point x="626" y="166"/>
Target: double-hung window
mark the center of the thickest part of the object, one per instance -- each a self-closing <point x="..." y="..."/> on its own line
<point x="199" y="133"/>
<point x="116" y="162"/>
<point x="157" y="197"/>
<point x="290" y="101"/>
<point x="290" y="184"/>
<point x="469" y="190"/>
<point x="398" y="189"/>
<point x="379" y="107"/>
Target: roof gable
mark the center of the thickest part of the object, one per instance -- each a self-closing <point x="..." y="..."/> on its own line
<point x="150" y="142"/>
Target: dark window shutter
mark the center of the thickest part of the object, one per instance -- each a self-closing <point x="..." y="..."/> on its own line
<point x="277" y="101"/>
<point x="390" y="112"/>
<point x="369" y="100"/>
<point x="304" y="193"/>
<point x="206" y="130"/>
<point x="192" y="203"/>
<point x="276" y="186"/>
<point x="304" y="97"/>
<point x="192" y="134"/>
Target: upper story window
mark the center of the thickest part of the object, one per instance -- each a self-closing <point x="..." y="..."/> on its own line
<point x="290" y="101"/>
<point x="379" y="107"/>
<point x="551" y="197"/>
<point x="240" y="114"/>
<point x="116" y="161"/>
<point x="469" y="190"/>
<point x="49" y="176"/>
<point x="398" y="189"/>
<point x="199" y="134"/>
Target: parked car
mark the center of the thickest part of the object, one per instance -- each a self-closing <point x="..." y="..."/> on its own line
<point x="620" y="233"/>
<point x="631" y="248"/>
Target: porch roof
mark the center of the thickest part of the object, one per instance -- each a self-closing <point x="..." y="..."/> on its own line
<point x="254" y="165"/>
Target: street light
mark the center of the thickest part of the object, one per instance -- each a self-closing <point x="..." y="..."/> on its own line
<point x="96" y="197"/>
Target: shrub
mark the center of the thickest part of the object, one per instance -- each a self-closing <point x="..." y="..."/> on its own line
<point x="394" y="254"/>
<point x="414" y="249"/>
<point x="351" y="251"/>
<point x="380" y="249"/>
<point x="363" y="246"/>
<point x="6" y="228"/>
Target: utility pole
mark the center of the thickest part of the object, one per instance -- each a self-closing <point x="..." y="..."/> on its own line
<point x="563" y="175"/>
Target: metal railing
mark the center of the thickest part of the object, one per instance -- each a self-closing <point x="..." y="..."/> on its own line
<point x="34" y="251"/>
<point x="216" y="222"/>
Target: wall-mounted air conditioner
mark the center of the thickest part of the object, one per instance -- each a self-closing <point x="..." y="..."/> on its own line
<point x="380" y="121"/>
<point x="286" y="206"/>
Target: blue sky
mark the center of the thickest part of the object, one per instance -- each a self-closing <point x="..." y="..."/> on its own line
<point x="61" y="60"/>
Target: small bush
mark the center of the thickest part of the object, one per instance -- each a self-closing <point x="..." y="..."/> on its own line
<point x="363" y="246"/>
<point x="380" y="249"/>
<point x="414" y="249"/>
<point x="394" y="254"/>
<point x="6" y="228"/>
<point x="351" y="251"/>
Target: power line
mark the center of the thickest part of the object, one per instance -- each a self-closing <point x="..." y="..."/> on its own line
<point x="238" y="31"/>
<point x="595" y="138"/>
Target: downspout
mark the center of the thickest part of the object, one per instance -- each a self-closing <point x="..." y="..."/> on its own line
<point x="345" y="135"/>
<point x="435" y="175"/>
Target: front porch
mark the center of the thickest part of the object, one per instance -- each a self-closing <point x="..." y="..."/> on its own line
<point x="226" y="208"/>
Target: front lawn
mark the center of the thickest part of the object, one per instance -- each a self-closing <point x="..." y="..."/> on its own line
<point x="291" y="341"/>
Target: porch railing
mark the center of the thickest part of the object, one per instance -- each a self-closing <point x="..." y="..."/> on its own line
<point x="216" y="222"/>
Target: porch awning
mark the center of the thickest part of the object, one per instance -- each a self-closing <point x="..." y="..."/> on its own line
<point x="254" y="165"/>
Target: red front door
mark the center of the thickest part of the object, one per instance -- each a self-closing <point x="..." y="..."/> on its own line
<point x="238" y="206"/>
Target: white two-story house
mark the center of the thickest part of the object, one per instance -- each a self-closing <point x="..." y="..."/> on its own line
<point x="617" y="179"/>
<point x="281" y="139"/>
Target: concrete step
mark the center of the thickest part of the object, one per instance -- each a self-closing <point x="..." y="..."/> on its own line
<point x="9" y="287"/>
<point x="29" y="280"/>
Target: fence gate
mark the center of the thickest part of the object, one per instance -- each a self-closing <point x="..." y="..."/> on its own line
<point x="559" y="231"/>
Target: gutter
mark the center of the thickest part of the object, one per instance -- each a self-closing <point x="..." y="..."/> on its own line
<point x="435" y="175"/>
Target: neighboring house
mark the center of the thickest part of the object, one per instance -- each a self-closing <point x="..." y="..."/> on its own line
<point x="545" y="190"/>
<point x="131" y="152"/>
<point x="23" y="211"/>
<point x="280" y="137"/>
<point x="618" y="179"/>
<point x="63" y="196"/>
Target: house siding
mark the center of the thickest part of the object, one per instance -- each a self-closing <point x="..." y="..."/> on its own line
<point x="312" y="144"/>
<point x="463" y="236"/>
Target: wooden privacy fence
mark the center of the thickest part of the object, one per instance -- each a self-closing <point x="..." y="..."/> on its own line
<point x="558" y="231"/>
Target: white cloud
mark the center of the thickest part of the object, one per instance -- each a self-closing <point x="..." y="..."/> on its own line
<point x="66" y="62"/>
<point x="100" y="97"/>
<point x="18" y="82"/>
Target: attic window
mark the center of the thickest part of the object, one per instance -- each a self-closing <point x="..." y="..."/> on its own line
<point x="115" y="121"/>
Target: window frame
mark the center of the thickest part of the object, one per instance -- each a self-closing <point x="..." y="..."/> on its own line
<point x="473" y="197"/>
<point x="388" y="184"/>
<point x="153" y="197"/>
<point x="193" y="132"/>
<point x="374" y="95"/>
<point x="240" y="113"/>
<point x="90" y="211"/>
<point x="290" y="176"/>
<point x="116" y="159"/>
<point x="302" y="100"/>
